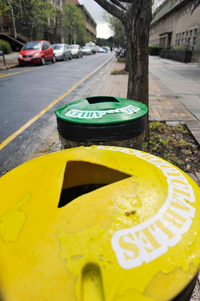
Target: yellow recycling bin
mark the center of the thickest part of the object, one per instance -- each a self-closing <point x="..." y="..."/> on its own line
<point x="98" y="224"/>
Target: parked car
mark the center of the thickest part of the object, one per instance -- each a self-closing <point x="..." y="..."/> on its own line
<point x="86" y="50"/>
<point x="92" y="46"/>
<point x="36" y="52"/>
<point x="106" y="48"/>
<point x="100" y="49"/>
<point x="76" y="50"/>
<point x="62" y="51"/>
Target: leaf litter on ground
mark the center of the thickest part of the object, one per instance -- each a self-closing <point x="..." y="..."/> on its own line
<point x="175" y="144"/>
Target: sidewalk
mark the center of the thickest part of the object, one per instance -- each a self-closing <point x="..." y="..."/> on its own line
<point x="163" y="106"/>
<point x="11" y="61"/>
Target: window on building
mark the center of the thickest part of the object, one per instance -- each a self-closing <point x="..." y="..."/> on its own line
<point x="176" y="36"/>
<point x="179" y="35"/>
<point x="195" y="32"/>
<point x="191" y="32"/>
<point x="175" y="42"/>
<point x="183" y="34"/>
<point x="179" y="42"/>
<point x="186" y="33"/>
<point x="189" y="42"/>
<point x="193" y="41"/>
<point x="5" y="28"/>
<point x="162" y="42"/>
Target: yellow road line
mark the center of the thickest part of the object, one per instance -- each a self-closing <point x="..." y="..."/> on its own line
<point x="9" y="74"/>
<point x="26" y="125"/>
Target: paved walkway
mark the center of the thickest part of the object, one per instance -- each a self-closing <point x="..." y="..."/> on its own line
<point x="163" y="105"/>
<point x="174" y="95"/>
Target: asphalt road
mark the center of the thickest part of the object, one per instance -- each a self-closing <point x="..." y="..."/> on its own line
<point x="27" y="92"/>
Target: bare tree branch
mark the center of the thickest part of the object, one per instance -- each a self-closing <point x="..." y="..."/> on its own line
<point x="195" y="6"/>
<point x="112" y="9"/>
<point x="116" y="2"/>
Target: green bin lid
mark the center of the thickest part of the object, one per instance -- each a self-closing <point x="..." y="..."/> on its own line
<point x="101" y="110"/>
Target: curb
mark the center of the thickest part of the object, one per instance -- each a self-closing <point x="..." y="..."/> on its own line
<point x="9" y="67"/>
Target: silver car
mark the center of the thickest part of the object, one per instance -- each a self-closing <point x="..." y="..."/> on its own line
<point x="62" y="52"/>
<point x="76" y="50"/>
<point x="86" y="50"/>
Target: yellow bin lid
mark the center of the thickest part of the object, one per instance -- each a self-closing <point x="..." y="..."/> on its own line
<point x="129" y="230"/>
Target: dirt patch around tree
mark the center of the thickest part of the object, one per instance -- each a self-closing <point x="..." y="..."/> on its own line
<point x="174" y="144"/>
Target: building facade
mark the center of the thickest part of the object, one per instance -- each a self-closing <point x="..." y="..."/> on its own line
<point x="12" y="31"/>
<point x="174" y="24"/>
<point x="90" y="24"/>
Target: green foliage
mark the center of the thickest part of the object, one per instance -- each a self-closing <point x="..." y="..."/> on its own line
<point x="4" y="8"/>
<point x="168" y="142"/>
<point x="155" y="49"/>
<point x="119" y="72"/>
<point x="180" y="47"/>
<point x="73" y="24"/>
<point x="101" y="42"/>
<point x="30" y="14"/>
<point x="5" y="46"/>
<point x="118" y="28"/>
<point x="121" y="59"/>
<point x="105" y="42"/>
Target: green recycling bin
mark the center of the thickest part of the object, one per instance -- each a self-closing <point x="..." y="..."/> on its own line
<point x="102" y="120"/>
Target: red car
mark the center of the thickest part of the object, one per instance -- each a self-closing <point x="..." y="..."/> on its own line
<point x="36" y="52"/>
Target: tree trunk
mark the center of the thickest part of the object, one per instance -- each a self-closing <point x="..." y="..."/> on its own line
<point x="137" y="34"/>
<point x="127" y="60"/>
<point x="30" y="32"/>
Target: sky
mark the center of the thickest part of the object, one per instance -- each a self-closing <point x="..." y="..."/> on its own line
<point x="95" y="10"/>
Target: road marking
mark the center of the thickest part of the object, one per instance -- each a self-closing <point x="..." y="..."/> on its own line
<point x="2" y="75"/>
<point x="31" y="121"/>
<point x="9" y="74"/>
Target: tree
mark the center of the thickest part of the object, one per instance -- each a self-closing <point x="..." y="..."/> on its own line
<point x="117" y="27"/>
<point x="56" y="26"/>
<point x="196" y="4"/>
<point x="73" y="24"/>
<point x="136" y="20"/>
<point x="119" y="34"/>
<point x="29" y="14"/>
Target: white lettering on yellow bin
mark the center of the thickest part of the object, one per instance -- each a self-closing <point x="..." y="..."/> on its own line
<point x="151" y="239"/>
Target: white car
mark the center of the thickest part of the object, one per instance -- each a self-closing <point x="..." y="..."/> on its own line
<point x="100" y="49"/>
<point x="86" y="50"/>
<point x="92" y="46"/>
<point x="76" y="50"/>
